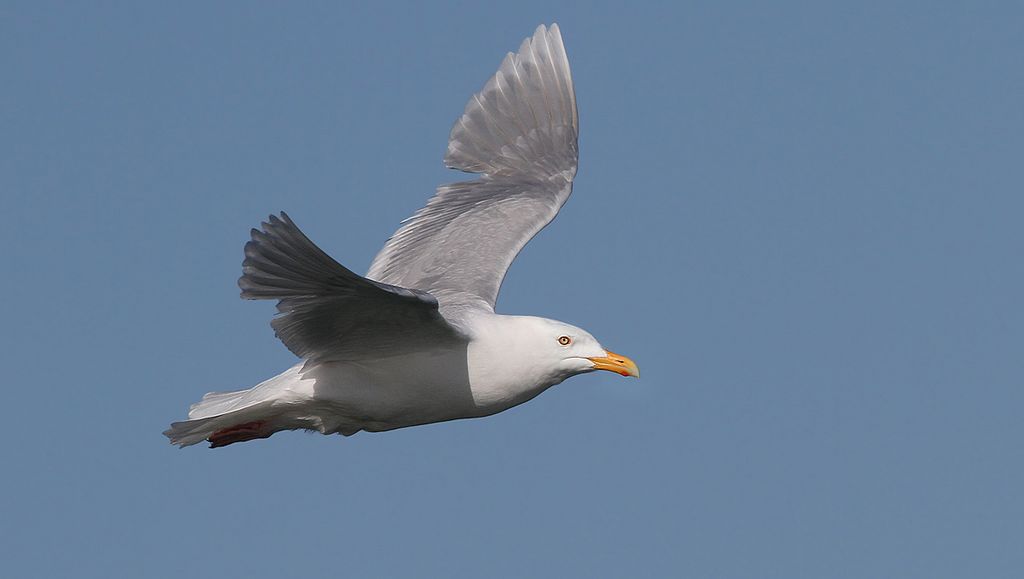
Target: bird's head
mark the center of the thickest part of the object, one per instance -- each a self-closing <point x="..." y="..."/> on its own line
<point x="572" y="350"/>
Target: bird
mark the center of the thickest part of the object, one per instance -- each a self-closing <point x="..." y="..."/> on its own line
<point x="417" y="339"/>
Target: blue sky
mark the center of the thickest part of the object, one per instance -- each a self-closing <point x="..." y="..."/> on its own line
<point x="801" y="219"/>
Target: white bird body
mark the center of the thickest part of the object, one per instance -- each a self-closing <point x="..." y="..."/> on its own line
<point x="417" y="341"/>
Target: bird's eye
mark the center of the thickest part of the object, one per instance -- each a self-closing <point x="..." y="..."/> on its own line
<point x="564" y="340"/>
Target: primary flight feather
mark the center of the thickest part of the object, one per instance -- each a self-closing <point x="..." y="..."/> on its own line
<point x="417" y="340"/>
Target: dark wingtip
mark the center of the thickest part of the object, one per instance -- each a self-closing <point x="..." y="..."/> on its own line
<point x="245" y="286"/>
<point x="274" y="220"/>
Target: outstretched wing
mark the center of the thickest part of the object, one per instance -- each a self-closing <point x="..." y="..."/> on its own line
<point x="520" y="133"/>
<point x="328" y="312"/>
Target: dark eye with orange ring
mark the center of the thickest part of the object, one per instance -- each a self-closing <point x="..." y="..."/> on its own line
<point x="564" y="340"/>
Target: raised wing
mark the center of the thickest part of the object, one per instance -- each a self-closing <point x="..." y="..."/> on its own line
<point x="520" y="133"/>
<point x="328" y="312"/>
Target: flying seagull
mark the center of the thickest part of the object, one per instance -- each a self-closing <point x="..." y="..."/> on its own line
<point x="417" y="340"/>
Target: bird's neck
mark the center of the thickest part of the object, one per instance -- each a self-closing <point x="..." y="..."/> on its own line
<point x="503" y="363"/>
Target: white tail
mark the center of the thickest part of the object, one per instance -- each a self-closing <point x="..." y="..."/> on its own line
<point x="227" y="417"/>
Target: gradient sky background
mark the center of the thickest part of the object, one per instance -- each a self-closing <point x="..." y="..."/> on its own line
<point x="802" y="220"/>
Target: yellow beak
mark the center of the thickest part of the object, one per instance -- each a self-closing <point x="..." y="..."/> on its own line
<point x="616" y="363"/>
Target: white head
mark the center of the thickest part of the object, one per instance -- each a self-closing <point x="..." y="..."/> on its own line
<point x="552" y="351"/>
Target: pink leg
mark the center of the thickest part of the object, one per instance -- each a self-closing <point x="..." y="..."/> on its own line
<point x="239" y="433"/>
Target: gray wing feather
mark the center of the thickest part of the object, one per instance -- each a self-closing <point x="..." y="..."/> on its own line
<point x="327" y="312"/>
<point x="520" y="132"/>
<point x="524" y="121"/>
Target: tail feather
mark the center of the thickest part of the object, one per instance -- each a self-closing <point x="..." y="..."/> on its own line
<point x="222" y="417"/>
<point x="215" y="403"/>
<point x="194" y="431"/>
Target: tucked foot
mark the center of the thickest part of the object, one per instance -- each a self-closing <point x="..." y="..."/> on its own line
<point x="239" y="433"/>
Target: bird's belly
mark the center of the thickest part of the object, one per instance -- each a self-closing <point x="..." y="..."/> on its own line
<point x="398" y="392"/>
<point x="415" y="389"/>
